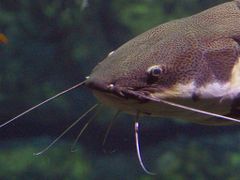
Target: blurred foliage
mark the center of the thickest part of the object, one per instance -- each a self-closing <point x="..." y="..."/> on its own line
<point x="182" y="158"/>
<point x="20" y="163"/>
<point x="55" y="44"/>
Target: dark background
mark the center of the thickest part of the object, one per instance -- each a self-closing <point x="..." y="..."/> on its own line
<point x="54" y="45"/>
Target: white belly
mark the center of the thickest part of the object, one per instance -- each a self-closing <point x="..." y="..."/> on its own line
<point x="162" y="110"/>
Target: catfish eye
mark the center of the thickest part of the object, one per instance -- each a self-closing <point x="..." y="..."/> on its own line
<point x="154" y="71"/>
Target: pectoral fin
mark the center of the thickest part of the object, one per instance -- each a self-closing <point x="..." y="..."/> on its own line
<point x="233" y="113"/>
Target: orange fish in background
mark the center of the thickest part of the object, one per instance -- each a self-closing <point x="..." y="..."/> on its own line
<point x="3" y="39"/>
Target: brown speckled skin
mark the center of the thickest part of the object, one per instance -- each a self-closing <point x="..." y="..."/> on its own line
<point x="202" y="48"/>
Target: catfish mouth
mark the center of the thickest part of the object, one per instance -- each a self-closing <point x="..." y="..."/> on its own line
<point x="126" y="93"/>
<point x="140" y="100"/>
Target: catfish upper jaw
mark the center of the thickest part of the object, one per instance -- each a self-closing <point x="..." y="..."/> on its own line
<point x="121" y="92"/>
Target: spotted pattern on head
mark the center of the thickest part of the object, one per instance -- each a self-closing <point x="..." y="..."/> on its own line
<point x="200" y="49"/>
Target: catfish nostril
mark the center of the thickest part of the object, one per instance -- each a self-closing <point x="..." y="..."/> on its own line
<point x="111" y="86"/>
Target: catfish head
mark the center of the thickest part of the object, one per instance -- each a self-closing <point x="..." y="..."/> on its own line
<point x="193" y="61"/>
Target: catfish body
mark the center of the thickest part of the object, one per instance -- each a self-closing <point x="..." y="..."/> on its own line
<point x="193" y="61"/>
